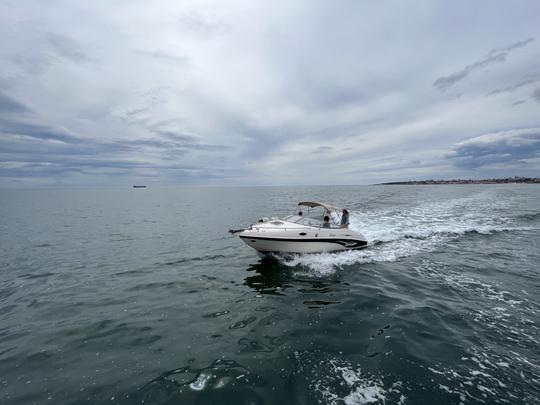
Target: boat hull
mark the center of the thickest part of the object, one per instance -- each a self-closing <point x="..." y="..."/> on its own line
<point x="301" y="245"/>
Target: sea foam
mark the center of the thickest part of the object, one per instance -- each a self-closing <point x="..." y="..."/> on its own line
<point x="394" y="234"/>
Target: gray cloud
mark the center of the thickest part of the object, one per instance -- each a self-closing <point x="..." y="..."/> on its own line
<point x="9" y="106"/>
<point x="323" y="149"/>
<point x="536" y="94"/>
<point x="529" y="79"/>
<point x="500" y="147"/>
<point x="160" y="55"/>
<point x="518" y="102"/>
<point x="37" y="131"/>
<point x="17" y="119"/>
<point x="34" y="159"/>
<point x="169" y="140"/>
<point x="47" y="48"/>
<point x="64" y="165"/>
<point x="33" y="149"/>
<point x="323" y="95"/>
<point x="496" y="55"/>
<point x="66" y="47"/>
<point x="200" y="25"/>
<point x="28" y="146"/>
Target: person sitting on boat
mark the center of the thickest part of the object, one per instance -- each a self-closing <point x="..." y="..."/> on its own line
<point x="326" y="223"/>
<point x="344" y="218"/>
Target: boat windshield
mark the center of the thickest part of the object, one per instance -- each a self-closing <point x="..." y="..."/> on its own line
<point x="297" y="219"/>
<point x="315" y="217"/>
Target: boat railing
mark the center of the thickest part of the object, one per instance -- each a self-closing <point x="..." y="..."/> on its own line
<point x="291" y="228"/>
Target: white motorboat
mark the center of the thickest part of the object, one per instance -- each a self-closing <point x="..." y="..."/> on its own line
<point x="303" y="232"/>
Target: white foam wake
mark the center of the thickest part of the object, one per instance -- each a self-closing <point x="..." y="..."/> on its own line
<point x="395" y="233"/>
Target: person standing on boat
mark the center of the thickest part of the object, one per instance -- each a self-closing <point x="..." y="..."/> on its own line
<point x="344" y="218"/>
<point x="326" y="222"/>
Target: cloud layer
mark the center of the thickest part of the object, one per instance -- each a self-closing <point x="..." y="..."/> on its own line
<point x="514" y="146"/>
<point x="204" y="92"/>
<point x="496" y="55"/>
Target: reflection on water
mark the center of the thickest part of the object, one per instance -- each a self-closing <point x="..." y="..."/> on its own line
<point x="274" y="278"/>
<point x="271" y="276"/>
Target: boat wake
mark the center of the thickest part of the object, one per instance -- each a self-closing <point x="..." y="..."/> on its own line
<point x="398" y="233"/>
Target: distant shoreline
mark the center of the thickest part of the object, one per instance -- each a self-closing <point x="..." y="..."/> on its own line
<point x="507" y="180"/>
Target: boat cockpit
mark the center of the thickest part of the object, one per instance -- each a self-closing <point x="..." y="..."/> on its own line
<point x="311" y="214"/>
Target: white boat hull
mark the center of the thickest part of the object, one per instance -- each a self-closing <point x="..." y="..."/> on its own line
<point x="309" y="241"/>
<point x="287" y="246"/>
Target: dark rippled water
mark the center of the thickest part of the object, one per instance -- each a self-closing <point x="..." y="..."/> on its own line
<point x="140" y="296"/>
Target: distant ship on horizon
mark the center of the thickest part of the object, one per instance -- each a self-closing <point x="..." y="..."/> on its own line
<point x="135" y="186"/>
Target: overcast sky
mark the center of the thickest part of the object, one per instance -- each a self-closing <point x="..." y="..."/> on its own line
<point x="267" y="93"/>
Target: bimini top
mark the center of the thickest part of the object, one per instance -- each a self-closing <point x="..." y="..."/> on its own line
<point x="318" y="204"/>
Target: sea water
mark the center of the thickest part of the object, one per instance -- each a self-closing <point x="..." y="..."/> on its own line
<point x="141" y="296"/>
